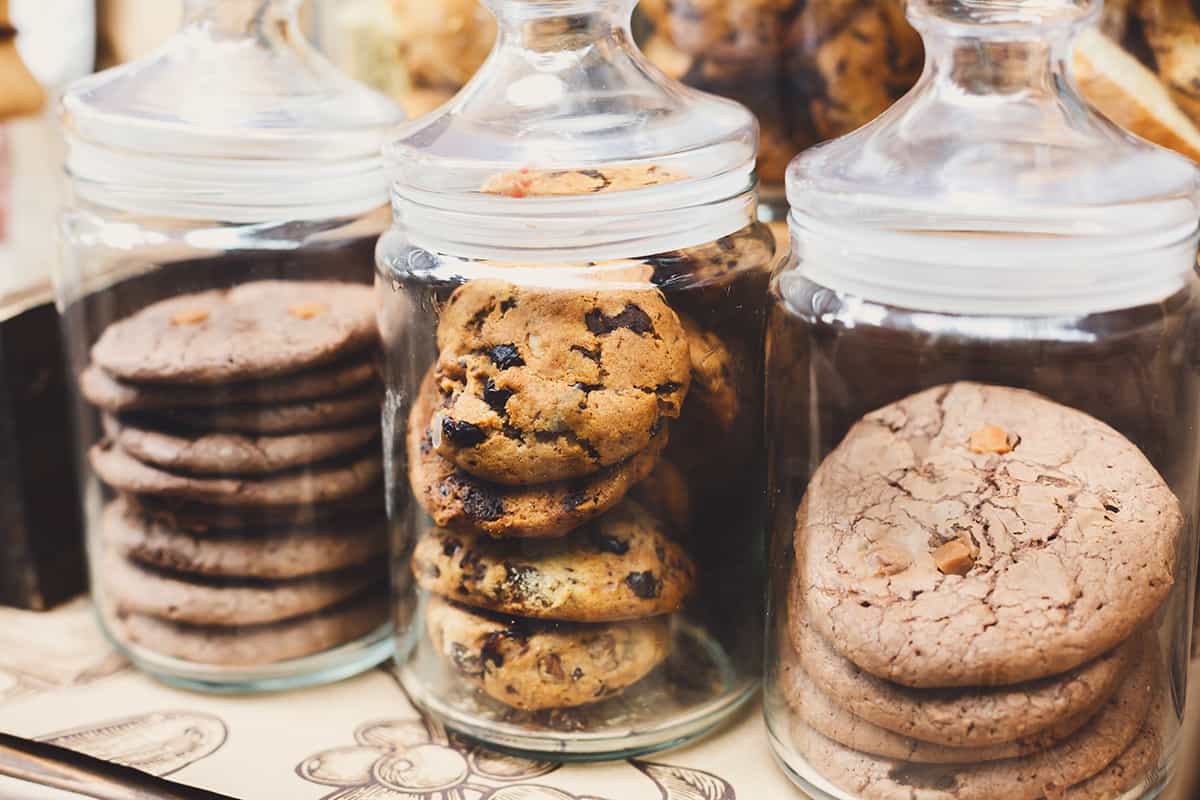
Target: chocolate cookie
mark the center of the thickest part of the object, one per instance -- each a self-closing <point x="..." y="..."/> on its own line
<point x="459" y="501"/>
<point x="539" y="385"/>
<point x="974" y="535"/>
<point x="232" y="453"/>
<point x="1133" y="766"/>
<point x="560" y="182"/>
<point x="532" y="666"/>
<point x="252" y="646"/>
<point x="307" y="415"/>
<point x="1097" y="744"/>
<point x="256" y="330"/>
<point x="207" y="518"/>
<point x="257" y="554"/>
<point x="970" y="717"/>
<point x="835" y="722"/>
<point x="620" y="566"/>
<point x="143" y="590"/>
<point x="112" y="394"/>
<point x="319" y="484"/>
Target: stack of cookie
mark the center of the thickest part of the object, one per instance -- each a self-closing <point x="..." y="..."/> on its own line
<point x="242" y="445"/>
<point x="550" y="585"/>
<point x="978" y="572"/>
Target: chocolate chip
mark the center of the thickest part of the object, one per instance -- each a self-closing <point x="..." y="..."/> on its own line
<point x="644" y="584"/>
<point x="506" y="305"/>
<point x="496" y="398"/>
<point x="506" y="356"/>
<point x="610" y="544"/>
<point x="588" y="387"/>
<point x="521" y="581"/>
<point x="462" y="434"/>
<point x="450" y="546"/>
<point x="480" y="503"/>
<point x="575" y="499"/>
<point x="591" y="355"/>
<point x="667" y="388"/>
<point x="552" y="665"/>
<point x="577" y="674"/>
<point x="472" y="566"/>
<point x="632" y="317"/>
<point x="490" y="652"/>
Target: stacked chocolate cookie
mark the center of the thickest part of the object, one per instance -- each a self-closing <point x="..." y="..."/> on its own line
<point x="978" y="571"/>
<point x="242" y="447"/>
<point x="551" y="587"/>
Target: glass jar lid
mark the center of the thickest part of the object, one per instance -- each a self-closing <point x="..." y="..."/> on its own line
<point x="236" y="118"/>
<point x="565" y="88"/>
<point x="992" y="187"/>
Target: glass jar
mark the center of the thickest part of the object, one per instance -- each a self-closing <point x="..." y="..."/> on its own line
<point x="982" y="423"/>
<point x="809" y="70"/>
<point x="572" y="306"/>
<point x="228" y="191"/>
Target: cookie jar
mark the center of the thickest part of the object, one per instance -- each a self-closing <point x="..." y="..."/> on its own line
<point x="227" y="194"/>
<point x="572" y="304"/>
<point x="809" y="69"/>
<point x="982" y="433"/>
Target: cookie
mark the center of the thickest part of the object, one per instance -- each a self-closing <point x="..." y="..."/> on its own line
<point x="665" y="492"/>
<point x="620" y="566"/>
<point x="1133" y="766"/>
<point x="1097" y="744"/>
<point x="307" y="415"/>
<point x="738" y="30"/>
<point x="975" y="535"/>
<point x="319" y="484"/>
<point x="257" y="554"/>
<point x="714" y="375"/>
<point x="255" y="645"/>
<point x="835" y="722"/>
<point x="563" y="182"/>
<point x="970" y="717"/>
<point x="533" y="666"/>
<point x="200" y="518"/>
<point x="539" y="385"/>
<point x="715" y="263"/>
<point x="233" y="453"/>
<point x="459" y="501"/>
<point x="111" y="394"/>
<point x="144" y="590"/>
<point x="256" y="330"/>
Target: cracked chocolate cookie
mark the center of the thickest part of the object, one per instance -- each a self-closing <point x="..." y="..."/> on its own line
<point x="969" y="717"/>
<point x="975" y="535"/>
<point x="232" y="453"/>
<point x="456" y="500"/>
<point x="256" y="330"/>
<point x="248" y="553"/>
<point x="1100" y="742"/>
<point x="533" y="666"/>
<point x="306" y="415"/>
<point x="328" y="482"/>
<point x="833" y="721"/>
<point x="620" y="566"/>
<point x="540" y="385"/>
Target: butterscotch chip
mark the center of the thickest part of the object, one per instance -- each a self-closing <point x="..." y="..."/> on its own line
<point x="954" y="558"/>
<point x="190" y="316"/>
<point x="307" y="310"/>
<point x="990" y="439"/>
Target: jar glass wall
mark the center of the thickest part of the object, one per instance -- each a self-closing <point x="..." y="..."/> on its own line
<point x="981" y="416"/>
<point x="576" y="487"/>
<point x="216" y="303"/>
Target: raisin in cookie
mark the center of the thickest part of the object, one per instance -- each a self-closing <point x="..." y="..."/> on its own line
<point x="533" y="666"/>
<point x="541" y="385"/>
<point x="459" y="501"/>
<point x="975" y="535"/>
<point x="618" y="567"/>
<point x="256" y="330"/>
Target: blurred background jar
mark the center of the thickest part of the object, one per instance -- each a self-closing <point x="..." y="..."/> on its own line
<point x="572" y="308"/>
<point x="982" y="412"/>
<point x="227" y="192"/>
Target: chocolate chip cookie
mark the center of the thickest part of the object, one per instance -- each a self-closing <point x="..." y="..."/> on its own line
<point x="289" y="553"/>
<point x="338" y="480"/>
<point x="233" y="453"/>
<point x="739" y="30"/>
<point x="1097" y="744"/>
<point x="975" y="535"/>
<point x="459" y="501"/>
<point x="533" y="666"/>
<point x="539" y="385"/>
<point x="620" y="566"/>
<point x="255" y="330"/>
<point x="970" y="717"/>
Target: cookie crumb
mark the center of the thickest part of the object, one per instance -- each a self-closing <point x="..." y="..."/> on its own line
<point x="190" y="316"/>
<point x="954" y="558"/>
<point x="307" y="310"/>
<point x="991" y="439"/>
